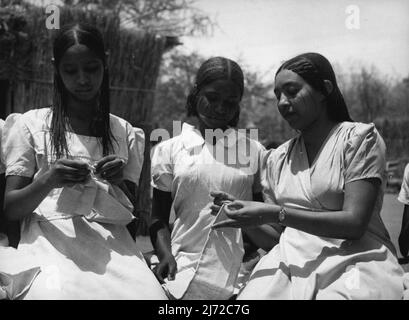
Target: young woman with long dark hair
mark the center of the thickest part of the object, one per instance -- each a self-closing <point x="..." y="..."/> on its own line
<point x="71" y="171"/>
<point x="327" y="185"/>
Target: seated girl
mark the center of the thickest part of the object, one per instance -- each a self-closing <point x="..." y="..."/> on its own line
<point x="187" y="170"/>
<point x="71" y="171"/>
<point x="327" y="185"/>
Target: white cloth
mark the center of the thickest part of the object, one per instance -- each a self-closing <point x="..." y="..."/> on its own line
<point x="306" y="266"/>
<point x="189" y="168"/>
<point x="76" y="236"/>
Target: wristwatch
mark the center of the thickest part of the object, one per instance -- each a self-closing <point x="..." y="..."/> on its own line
<point x="281" y="215"/>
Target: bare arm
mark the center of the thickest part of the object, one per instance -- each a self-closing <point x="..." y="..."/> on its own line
<point x="264" y="236"/>
<point x="404" y="232"/>
<point x="160" y="234"/>
<point x="349" y="223"/>
<point x="23" y="195"/>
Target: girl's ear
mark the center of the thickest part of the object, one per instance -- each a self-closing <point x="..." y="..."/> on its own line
<point x="328" y="86"/>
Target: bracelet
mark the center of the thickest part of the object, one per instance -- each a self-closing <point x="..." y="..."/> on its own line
<point x="281" y="216"/>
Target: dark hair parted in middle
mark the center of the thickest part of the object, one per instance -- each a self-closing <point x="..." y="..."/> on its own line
<point x="213" y="69"/>
<point x="314" y="69"/>
<point x="89" y="36"/>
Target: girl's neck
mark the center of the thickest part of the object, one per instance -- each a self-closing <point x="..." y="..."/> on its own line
<point x="79" y="110"/>
<point x="317" y="132"/>
<point x="80" y="115"/>
<point x="201" y="126"/>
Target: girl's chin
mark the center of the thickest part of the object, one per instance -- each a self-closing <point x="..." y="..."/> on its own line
<point x="213" y="123"/>
<point x="86" y="97"/>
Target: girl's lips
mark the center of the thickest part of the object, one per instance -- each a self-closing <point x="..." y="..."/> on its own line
<point x="290" y="114"/>
<point x="216" y="119"/>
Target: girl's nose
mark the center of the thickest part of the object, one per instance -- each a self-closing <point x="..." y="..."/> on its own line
<point x="82" y="77"/>
<point x="219" y="107"/>
<point x="283" y="104"/>
<point x="283" y="101"/>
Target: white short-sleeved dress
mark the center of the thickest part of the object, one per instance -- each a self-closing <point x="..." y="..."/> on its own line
<point x="75" y="245"/>
<point x="306" y="266"/>
<point x="208" y="261"/>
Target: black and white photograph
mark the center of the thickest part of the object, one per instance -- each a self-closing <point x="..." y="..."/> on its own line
<point x="216" y="151"/>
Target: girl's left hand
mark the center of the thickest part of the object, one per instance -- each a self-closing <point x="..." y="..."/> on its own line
<point x="111" y="169"/>
<point x="245" y="214"/>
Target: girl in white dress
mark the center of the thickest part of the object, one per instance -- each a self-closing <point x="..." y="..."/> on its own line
<point x="187" y="170"/>
<point x="327" y="188"/>
<point x="71" y="172"/>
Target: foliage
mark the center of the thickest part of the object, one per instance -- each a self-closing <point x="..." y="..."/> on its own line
<point x="170" y="17"/>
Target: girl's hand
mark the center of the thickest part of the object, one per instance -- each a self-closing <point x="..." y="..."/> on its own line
<point x="220" y="198"/>
<point x="246" y="214"/>
<point x="167" y="267"/>
<point x="65" y="172"/>
<point x="111" y="169"/>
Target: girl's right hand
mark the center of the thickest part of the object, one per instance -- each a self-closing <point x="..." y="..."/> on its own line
<point x="167" y="267"/>
<point x="65" y="172"/>
<point x="220" y="198"/>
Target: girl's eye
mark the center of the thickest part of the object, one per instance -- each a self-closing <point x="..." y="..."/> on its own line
<point x="230" y="103"/>
<point x="292" y="91"/>
<point x="211" y="97"/>
<point x="70" y="71"/>
<point x="91" y="69"/>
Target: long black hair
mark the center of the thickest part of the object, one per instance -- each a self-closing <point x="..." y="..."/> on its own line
<point x="89" y="36"/>
<point x="211" y="70"/>
<point x="314" y="68"/>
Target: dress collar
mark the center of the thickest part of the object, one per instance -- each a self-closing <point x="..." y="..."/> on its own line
<point x="192" y="137"/>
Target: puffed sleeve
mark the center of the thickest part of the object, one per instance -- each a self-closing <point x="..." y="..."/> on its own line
<point x="261" y="153"/>
<point x="364" y="154"/>
<point x="2" y="166"/>
<point x="404" y="190"/>
<point x="162" y="167"/>
<point x="18" y="147"/>
<point x="136" y="147"/>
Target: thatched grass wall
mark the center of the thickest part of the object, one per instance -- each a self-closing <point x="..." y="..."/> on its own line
<point x="26" y="70"/>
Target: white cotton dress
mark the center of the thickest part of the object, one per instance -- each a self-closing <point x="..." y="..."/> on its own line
<point x="208" y="261"/>
<point x="75" y="245"/>
<point x="306" y="266"/>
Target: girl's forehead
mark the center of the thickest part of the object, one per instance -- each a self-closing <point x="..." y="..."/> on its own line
<point x="222" y="85"/>
<point x="286" y="76"/>
<point x="77" y="53"/>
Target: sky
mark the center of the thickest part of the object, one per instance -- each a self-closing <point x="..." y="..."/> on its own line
<point x="263" y="33"/>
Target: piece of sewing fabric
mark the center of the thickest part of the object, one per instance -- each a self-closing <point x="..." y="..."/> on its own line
<point x="190" y="168"/>
<point x="306" y="266"/>
<point x="77" y="236"/>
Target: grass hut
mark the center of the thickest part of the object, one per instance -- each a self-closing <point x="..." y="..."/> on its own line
<point x="134" y="60"/>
